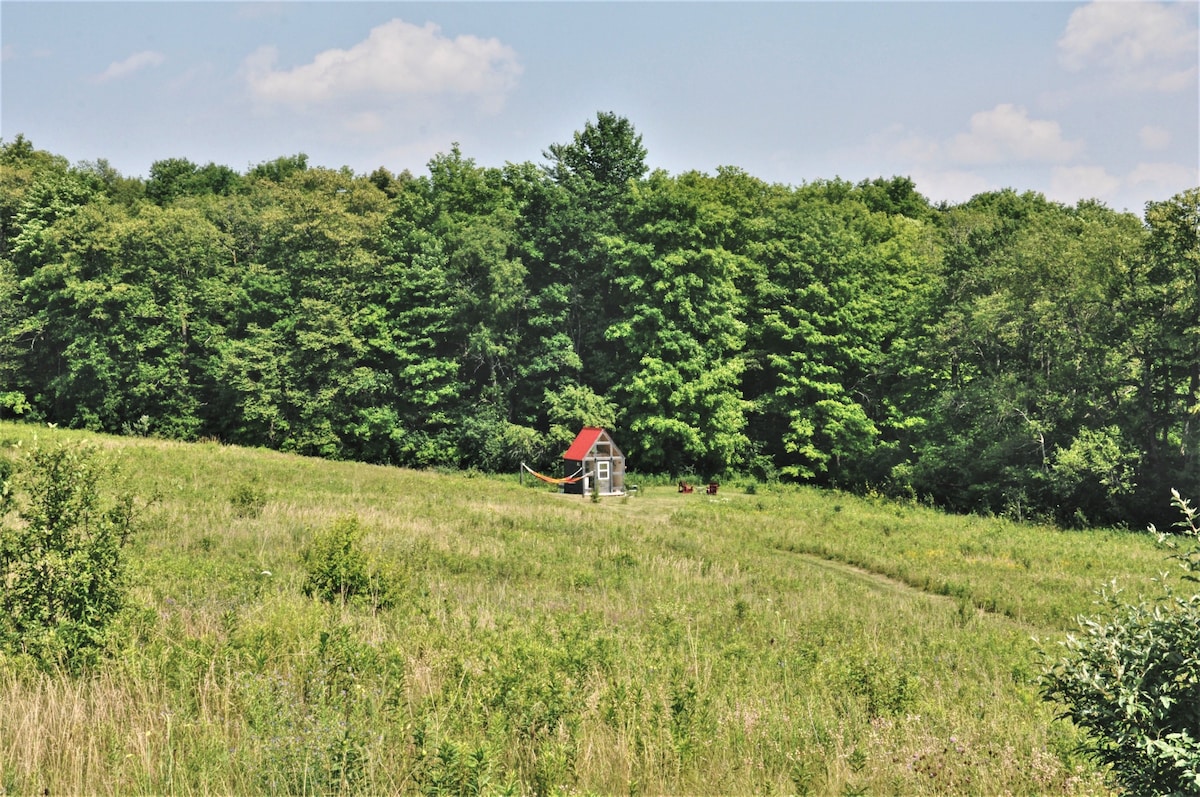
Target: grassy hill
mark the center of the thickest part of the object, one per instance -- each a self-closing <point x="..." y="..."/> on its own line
<point x="766" y="639"/>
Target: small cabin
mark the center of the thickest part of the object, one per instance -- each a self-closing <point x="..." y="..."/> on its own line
<point x="595" y="457"/>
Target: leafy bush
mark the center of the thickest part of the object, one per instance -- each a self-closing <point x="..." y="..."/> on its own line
<point x="248" y="499"/>
<point x="886" y="690"/>
<point x="6" y="472"/>
<point x="309" y="729"/>
<point x="60" y="558"/>
<point x="1094" y="475"/>
<point x="14" y="402"/>
<point x="338" y="570"/>
<point x="1133" y="681"/>
<point x="454" y="769"/>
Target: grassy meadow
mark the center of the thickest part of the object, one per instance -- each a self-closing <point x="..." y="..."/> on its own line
<point x="763" y="640"/>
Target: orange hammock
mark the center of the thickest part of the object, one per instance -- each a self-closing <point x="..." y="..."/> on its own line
<point x="551" y="480"/>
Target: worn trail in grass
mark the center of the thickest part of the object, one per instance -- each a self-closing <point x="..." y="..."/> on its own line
<point x="890" y="587"/>
<point x="877" y="582"/>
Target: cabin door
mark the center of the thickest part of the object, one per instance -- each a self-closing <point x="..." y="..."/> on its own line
<point x="604" y="475"/>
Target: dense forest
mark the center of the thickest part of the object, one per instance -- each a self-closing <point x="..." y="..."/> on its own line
<point x="1006" y="355"/>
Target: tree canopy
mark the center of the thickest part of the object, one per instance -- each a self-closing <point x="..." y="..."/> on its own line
<point x="1008" y="355"/>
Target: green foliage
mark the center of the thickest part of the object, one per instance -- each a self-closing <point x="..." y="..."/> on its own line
<point x="574" y="407"/>
<point x="14" y="402"/>
<point x="1132" y="679"/>
<point x="575" y="218"/>
<point x="338" y="570"/>
<point x="1032" y="297"/>
<point x="248" y="498"/>
<point x="173" y="178"/>
<point x="1164" y="330"/>
<point x="61" y="559"/>
<point x="280" y="169"/>
<point x="1007" y="355"/>
<point x="6" y="486"/>
<point x="885" y="689"/>
<point x="682" y="328"/>
<point x="1095" y="473"/>
<point x="836" y="305"/>
<point x="453" y="770"/>
<point x="608" y="152"/>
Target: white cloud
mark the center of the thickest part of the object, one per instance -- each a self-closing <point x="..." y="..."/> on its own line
<point x="1006" y="133"/>
<point x="1154" y="138"/>
<point x="1130" y="191"/>
<point x="8" y="52"/>
<point x="1164" y="179"/>
<point x="396" y="58"/>
<point x="1069" y="184"/>
<point x="1000" y="145"/>
<point x="134" y="63"/>
<point x="899" y="143"/>
<point x="1004" y="147"/>
<point x="950" y="185"/>
<point x="1143" y="45"/>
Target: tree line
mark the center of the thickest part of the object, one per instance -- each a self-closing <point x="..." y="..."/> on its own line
<point x="1007" y="355"/>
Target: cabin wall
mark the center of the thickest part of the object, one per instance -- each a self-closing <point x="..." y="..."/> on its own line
<point x="577" y="487"/>
<point x="597" y="456"/>
<point x="593" y="465"/>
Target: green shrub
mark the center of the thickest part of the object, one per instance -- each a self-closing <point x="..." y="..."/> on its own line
<point x="309" y="730"/>
<point x="60" y="558"/>
<point x="1133" y="680"/>
<point x="337" y="570"/>
<point x="6" y="472"/>
<point x="886" y="690"/>
<point x="248" y="499"/>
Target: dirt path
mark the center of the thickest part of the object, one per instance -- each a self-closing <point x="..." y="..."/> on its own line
<point x="886" y="585"/>
<point x="876" y="581"/>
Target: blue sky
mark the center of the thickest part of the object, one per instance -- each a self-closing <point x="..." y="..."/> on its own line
<point x="1075" y="100"/>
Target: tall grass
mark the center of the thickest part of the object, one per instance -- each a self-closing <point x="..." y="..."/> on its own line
<point x="788" y="641"/>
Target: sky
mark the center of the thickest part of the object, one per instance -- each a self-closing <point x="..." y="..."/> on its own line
<point x="1091" y="100"/>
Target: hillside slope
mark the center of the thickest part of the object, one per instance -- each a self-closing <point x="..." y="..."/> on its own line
<point x="536" y="642"/>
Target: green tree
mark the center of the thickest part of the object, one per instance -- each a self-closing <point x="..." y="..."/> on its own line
<point x="681" y="325"/>
<point x="118" y="312"/>
<point x="549" y="361"/>
<point x="413" y="336"/>
<point x="1165" y="332"/>
<point x="279" y="169"/>
<point x="294" y="363"/>
<point x="1132" y="679"/>
<point x="1030" y="358"/>
<point x="607" y="153"/>
<point x="108" y="181"/>
<point x="573" y="407"/>
<point x="24" y="169"/>
<point x="254" y="373"/>
<point x="475" y="217"/>
<point x="838" y="295"/>
<point x="37" y="191"/>
<point x="173" y="178"/>
<point x="897" y="196"/>
<point x="588" y="200"/>
<point x="13" y="400"/>
<point x="61" y="560"/>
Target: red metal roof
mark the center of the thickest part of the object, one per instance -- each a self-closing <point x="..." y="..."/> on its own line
<point x="583" y="443"/>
